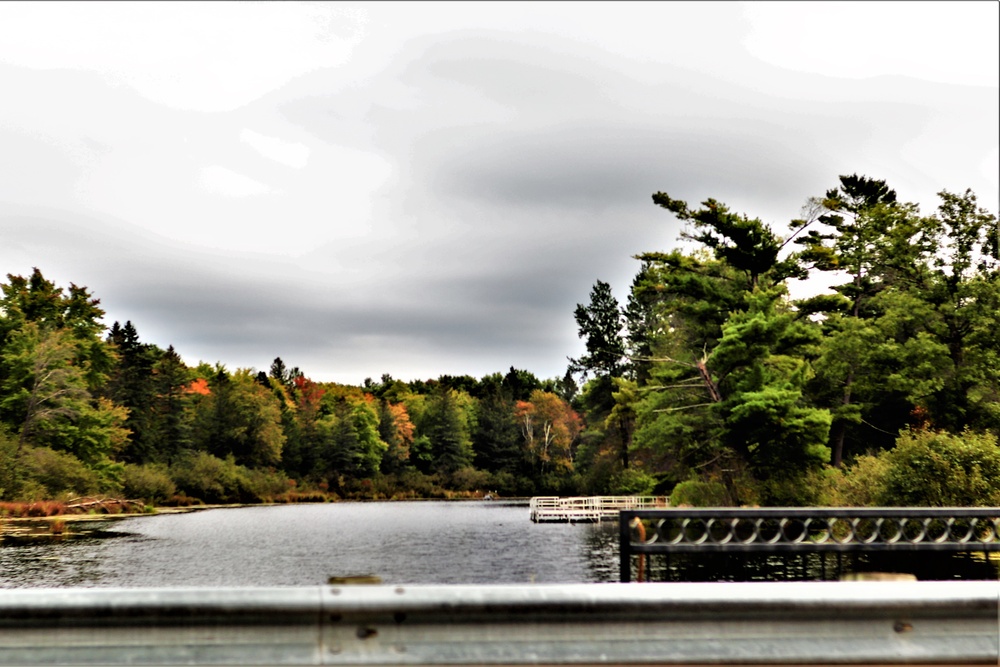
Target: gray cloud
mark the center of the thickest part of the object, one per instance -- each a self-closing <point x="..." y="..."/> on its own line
<point x="518" y="170"/>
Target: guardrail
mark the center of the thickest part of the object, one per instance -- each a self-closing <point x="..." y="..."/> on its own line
<point x="805" y="531"/>
<point x="755" y="623"/>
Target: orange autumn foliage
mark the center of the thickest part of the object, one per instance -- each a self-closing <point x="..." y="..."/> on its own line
<point x="549" y="426"/>
<point x="199" y="386"/>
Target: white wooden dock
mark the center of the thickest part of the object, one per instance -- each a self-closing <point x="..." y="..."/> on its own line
<point x="588" y="509"/>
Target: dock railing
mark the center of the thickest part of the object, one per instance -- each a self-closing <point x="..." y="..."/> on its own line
<point x="785" y="531"/>
<point x="847" y="623"/>
<point x="587" y="508"/>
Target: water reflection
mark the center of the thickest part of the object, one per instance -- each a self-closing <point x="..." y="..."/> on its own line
<point x="59" y="562"/>
<point x="924" y="566"/>
<point x="399" y="542"/>
<point x="601" y="550"/>
<point x="300" y="545"/>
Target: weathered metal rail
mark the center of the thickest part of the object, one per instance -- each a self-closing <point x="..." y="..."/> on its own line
<point x="580" y="624"/>
<point x="805" y="530"/>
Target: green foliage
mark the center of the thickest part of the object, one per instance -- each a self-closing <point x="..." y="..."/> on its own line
<point x="862" y="483"/>
<point x="709" y="375"/>
<point x="699" y="493"/>
<point x="936" y="469"/>
<point x="469" y="479"/>
<point x="408" y="484"/>
<point x="350" y="443"/>
<point x="75" y="312"/>
<point x="214" y="480"/>
<point x="129" y="386"/>
<point x="926" y="468"/>
<point x="631" y="482"/>
<point x="150" y="483"/>
<point x="208" y="478"/>
<point x="10" y="473"/>
<point x="44" y="395"/>
<point x="41" y="389"/>
<point x="446" y="424"/>
<point x="746" y="244"/>
<point x="263" y="485"/>
<point x="496" y="441"/>
<point x="762" y="365"/>
<point x="170" y="423"/>
<point x="240" y="418"/>
<point x="422" y="455"/>
<point x="60" y="474"/>
<point x="601" y="324"/>
<point x="748" y="391"/>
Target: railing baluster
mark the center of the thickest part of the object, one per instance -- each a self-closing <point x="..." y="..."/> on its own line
<point x="811" y="530"/>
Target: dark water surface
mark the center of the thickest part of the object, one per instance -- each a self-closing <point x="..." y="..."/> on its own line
<point x="304" y="545"/>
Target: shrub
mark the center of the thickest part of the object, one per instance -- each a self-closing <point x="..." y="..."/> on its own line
<point x="209" y="478"/>
<point x="469" y="479"/>
<point x="925" y="468"/>
<point x="598" y="478"/>
<point x="9" y="478"/>
<point x="700" y="493"/>
<point x="798" y="489"/>
<point x="181" y="500"/>
<point x="502" y="483"/>
<point x="60" y="473"/>
<point x="938" y="469"/>
<point x="410" y="484"/>
<point x="631" y="482"/>
<point x="862" y="483"/>
<point x="150" y="482"/>
<point x="264" y="485"/>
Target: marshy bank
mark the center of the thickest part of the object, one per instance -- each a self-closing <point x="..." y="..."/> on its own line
<point x="55" y="521"/>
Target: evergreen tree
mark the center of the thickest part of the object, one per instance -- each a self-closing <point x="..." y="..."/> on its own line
<point x="172" y="434"/>
<point x="496" y="441"/>
<point x="601" y="325"/>
<point x="130" y="385"/>
<point x="881" y="245"/>
<point x="351" y="446"/>
<point x="446" y="426"/>
<point x="241" y="419"/>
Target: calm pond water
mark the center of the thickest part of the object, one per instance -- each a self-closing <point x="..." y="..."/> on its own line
<point x="304" y="545"/>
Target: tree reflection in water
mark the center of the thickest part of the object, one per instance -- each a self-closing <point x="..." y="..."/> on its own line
<point x="925" y="566"/>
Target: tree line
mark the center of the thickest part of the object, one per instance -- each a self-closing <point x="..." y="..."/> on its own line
<point x="717" y="385"/>
<point x="90" y="411"/>
<point x="711" y="384"/>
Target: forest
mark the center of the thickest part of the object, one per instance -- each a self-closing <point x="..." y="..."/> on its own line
<point x="710" y="383"/>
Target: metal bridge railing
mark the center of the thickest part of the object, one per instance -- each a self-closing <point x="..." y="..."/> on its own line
<point x="806" y="530"/>
<point x="581" y="624"/>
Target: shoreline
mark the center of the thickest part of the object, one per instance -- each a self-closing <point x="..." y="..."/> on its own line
<point x="57" y="526"/>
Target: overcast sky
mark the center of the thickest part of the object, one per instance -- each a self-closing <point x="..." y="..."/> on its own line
<point x="430" y="188"/>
